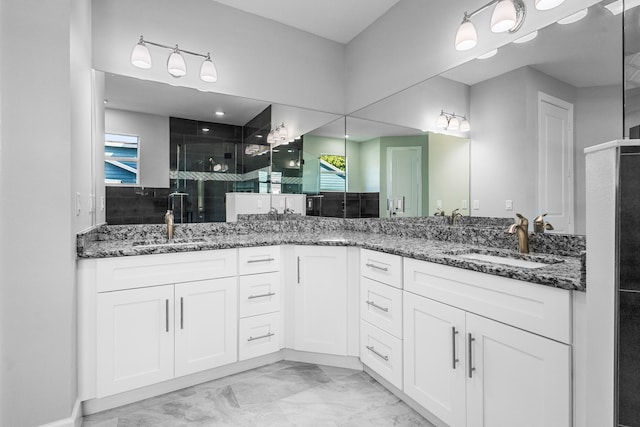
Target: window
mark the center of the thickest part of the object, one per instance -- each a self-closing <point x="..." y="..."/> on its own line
<point x="120" y="159"/>
<point x="333" y="172"/>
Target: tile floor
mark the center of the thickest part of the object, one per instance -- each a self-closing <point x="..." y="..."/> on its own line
<point x="281" y="394"/>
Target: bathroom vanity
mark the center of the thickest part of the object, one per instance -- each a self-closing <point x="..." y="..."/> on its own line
<point x="460" y="339"/>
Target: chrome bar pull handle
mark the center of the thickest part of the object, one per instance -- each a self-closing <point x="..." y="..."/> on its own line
<point x="270" y="294"/>
<point x="166" y="315"/>
<point x="298" y="269"/>
<point x="181" y="313"/>
<point x="471" y="339"/>
<point x="453" y="344"/>
<point x="377" y="267"/>
<point x="270" y="334"/>
<point x="373" y="350"/>
<point x="373" y="304"/>
<point x="251" y="261"/>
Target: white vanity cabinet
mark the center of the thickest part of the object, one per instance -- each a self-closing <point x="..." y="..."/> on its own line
<point x="320" y="294"/>
<point x="381" y="314"/>
<point x="146" y="319"/>
<point x="464" y="363"/>
<point x="260" y="296"/>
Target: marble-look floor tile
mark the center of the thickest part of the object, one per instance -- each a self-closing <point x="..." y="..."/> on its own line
<point x="280" y="394"/>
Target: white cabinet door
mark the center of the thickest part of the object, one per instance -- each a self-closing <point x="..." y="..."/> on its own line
<point x="518" y="378"/>
<point x="434" y="357"/>
<point x="320" y="299"/>
<point x="135" y="338"/>
<point x="205" y="325"/>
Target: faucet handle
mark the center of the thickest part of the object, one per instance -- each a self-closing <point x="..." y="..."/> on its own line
<point x="539" y="224"/>
<point x="524" y="222"/>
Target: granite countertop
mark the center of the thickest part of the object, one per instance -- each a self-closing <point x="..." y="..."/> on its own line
<point x="565" y="272"/>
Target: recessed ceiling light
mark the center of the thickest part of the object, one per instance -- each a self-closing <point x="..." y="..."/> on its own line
<point x="290" y="150"/>
<point x="574" y="18"/>
<point x="346" y="136"/>
<point x="275" y="150"/>
<point x="205" y="129"/>
<point x="489" y="54"/>
<point x="258" y="136"/>
<point x="220" y="113"/>
<point x="526" y="38"/>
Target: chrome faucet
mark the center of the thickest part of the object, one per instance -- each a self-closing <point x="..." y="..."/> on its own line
<point x="273" y="212"/>
<point x="454" y="216"/>
<point x="439" y="212"/>
<point x="168" y="219"/>
<point x="539" y="224"/>
<point x="521" y="229"/>
<point x="288" y="211"/>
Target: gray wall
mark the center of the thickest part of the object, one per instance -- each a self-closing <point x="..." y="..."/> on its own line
<point x="153" y="134"/>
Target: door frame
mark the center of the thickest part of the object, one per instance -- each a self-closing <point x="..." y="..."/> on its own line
<point x="570" y="180"/>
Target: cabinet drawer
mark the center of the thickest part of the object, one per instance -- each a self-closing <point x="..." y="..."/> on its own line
<point x="381" y="305"/>
<point x="261" y="259"/>
<point x="259" y="294"/>
<point x="381" y="352"/>
<point x="382" y="267"/>
<point x="139" y="271"/>
<point x="540" y="309"/>
<point x="259" y="335"/>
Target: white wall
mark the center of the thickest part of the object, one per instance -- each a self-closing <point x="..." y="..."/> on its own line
<point x="255" y="57"/>
<point x="414" y="41"/>
<point x="370" y="165"/>
<point x="598" y="119"/>
<point x="448" y="173"/>
<point x="37" y="247"/>
<point x="504" y="140"/>
<point x="153" y="134"/>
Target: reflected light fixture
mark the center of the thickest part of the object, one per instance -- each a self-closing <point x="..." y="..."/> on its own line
<point x="527" y="38"/>
<point x="176" y="66"/>
<point x="547" y="4"/>
<point x="507" y="16"/>
<point x="279" y="135"/>
<point x="489" y="54"/>
<point x="452" y="121"/>
<point x="574" y="17"/>
<point x="616" y="7"/>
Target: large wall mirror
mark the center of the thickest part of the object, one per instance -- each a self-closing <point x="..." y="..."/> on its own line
<point x="208" y="156"/>
<point x="532" y="108"/>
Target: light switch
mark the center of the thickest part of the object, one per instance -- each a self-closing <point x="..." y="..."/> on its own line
<point x="508" y="205"/>
<point x="476" y="204"/>
<point x="465" y="204"/>
<point x="77" y="203"/>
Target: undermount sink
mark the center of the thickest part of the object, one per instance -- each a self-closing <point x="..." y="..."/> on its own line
<point x="514" y="260"/>
<point x="165" y="242"/>
<point x="334" y="239"/>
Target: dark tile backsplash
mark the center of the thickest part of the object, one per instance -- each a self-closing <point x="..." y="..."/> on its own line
<point x="135" y="205"/>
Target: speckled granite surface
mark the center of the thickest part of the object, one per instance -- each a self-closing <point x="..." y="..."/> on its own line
<point x="419" y="239"/>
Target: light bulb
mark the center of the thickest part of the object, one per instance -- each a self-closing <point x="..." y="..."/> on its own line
<point x="504" y="16"/>
<point x="467" y="36"/>
<point x="454" y="123"/>
<point x="464" y="125"/>
<point x="548" y="4"/>
<point x="442" y="122"/>
<point x="271" y="137"/>
<point x="140" y="56"/>
<point x="208" y="72"/>
<point x="175" y="64"/>
<point x="283" y="133"/>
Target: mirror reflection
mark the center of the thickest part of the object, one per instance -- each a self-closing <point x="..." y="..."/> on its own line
<point x="532" y="109"/>
<point x="206" y="156"/>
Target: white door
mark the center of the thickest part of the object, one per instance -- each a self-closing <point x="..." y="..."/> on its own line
<point x="135" y="338"/>
<point x="555" y="162"/>
<point x="404" y="181"/>
<point x="321" y="299"/>
<point x="205" y="325"/>
<point x="434" y="357"/>
<point x="519" y="378"/>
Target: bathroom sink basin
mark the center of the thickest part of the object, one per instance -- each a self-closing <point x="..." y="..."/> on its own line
<point x="165" y="242"/>
<point x="334" y="239"/>
<point x="510" y="259"/>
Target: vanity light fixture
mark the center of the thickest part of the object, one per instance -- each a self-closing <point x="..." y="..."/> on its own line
<point x="176" y="66"/>
<point x="547" y="4"/>
<point x="574" y="17"/>
<point x="279" y="135"/>
<point x="508" y="15"/>
<point x="452" y="121"/>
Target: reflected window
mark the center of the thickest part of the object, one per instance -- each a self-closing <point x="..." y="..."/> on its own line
<point x="333" y="172"/>
<point x="120" y="159"/>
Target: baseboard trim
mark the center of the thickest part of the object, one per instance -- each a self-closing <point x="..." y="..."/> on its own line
<point x="75" y="420"/>
<point x="437" y="422"/>
<point x="349" y="362"/>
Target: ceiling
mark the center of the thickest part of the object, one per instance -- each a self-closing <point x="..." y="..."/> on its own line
<point x="337" y="20"/>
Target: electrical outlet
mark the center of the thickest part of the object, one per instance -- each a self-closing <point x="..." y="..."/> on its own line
<point x="77" y="204"/>
<point x="508" y="205"/>
<point x="439" y="204"/>
<point x="476" y="204"/>
<point x="465" y="204"/>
